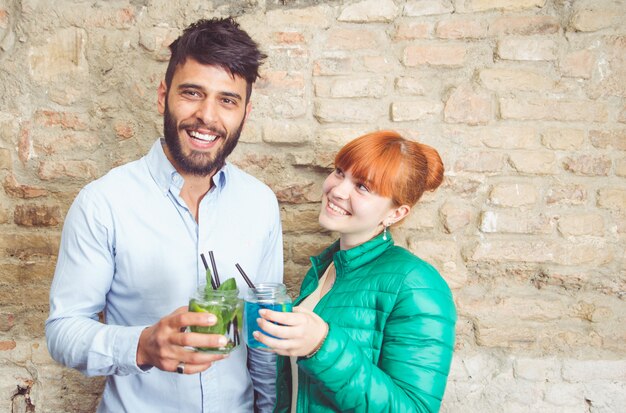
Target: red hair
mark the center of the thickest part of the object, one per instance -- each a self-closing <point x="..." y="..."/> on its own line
<point x="392" y="166"/>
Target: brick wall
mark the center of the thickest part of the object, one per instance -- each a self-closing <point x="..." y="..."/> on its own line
<point x="525" y="99"/>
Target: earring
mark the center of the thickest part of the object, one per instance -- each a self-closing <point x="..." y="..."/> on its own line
<point x="385" y="232"/>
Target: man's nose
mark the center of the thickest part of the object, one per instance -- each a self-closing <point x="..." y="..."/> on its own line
<point x="207" y="111"/>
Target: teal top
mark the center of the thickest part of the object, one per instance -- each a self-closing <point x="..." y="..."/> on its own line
<point x="389" y="347"/>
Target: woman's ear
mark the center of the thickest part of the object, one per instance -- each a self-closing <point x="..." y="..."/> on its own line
<point x="397" y="214"/>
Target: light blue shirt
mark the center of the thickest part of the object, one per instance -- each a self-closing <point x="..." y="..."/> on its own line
<point x="131" y="248"/>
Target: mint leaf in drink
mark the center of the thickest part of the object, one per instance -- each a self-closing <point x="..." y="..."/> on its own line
<point x="229" y="284"/>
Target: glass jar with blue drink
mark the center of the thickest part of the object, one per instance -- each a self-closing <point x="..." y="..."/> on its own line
<point x="272" y="296"/>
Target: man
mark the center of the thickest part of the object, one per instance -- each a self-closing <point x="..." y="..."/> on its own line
<point x="132" y="241"/>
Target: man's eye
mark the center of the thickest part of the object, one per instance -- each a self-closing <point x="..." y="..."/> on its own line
<point x="191" y="93"/>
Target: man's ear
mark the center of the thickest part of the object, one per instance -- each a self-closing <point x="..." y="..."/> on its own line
<point x="161" y="97"/>
<point x="248" y="110"/>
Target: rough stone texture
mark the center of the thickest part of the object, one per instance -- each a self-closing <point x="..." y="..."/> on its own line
<point x="524" y="99"/>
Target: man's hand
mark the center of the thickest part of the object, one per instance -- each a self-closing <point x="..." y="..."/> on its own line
<point x="163" y="344"/>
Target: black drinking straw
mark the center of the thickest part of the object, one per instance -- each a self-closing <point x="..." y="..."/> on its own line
<point x="245" y="277"/>
<point x="217" y="277"/>
<point x="206" y="267"/>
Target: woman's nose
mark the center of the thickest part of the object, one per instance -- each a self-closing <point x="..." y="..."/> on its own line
<point x="342" y="189"/>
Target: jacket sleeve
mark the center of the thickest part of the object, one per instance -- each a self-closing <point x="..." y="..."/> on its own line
<point x="82" y="279"/>
<point x="414" y="360"/>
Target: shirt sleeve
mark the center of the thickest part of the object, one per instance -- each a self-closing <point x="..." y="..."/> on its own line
<point x="414" y="361"/>
<point x="84" y="271"/>
<point x="262" y="364"/>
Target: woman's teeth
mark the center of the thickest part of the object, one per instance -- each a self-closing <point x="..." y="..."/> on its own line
<point x="202" y="137"/>
<point x="337" y="209"/>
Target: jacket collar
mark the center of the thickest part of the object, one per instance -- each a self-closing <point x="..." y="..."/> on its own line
<point x="346" y="261"/>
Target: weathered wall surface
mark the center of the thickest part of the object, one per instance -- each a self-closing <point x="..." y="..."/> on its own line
<point x="526" y="100"/>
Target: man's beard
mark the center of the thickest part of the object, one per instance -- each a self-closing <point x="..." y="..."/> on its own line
<point x="198" y="163"/>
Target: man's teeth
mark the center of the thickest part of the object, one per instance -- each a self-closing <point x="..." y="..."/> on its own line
<point x="202" y="137"/>
<point x="337" y="209"/>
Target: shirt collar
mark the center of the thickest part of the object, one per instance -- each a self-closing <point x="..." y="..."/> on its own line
<point x="165" y="175"/>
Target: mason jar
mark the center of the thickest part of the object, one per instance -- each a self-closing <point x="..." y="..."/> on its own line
<point x="227" y="308"/>
<point x="272" y="296"/>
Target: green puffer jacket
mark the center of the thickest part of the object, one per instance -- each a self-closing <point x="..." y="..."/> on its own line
<point x="391" y="335"/>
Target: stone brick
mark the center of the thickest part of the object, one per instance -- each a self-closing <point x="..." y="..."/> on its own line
<point x="596" y="18"/>
<point x="348" y="111"/>
<point x="288" y="38"/>
<point x="524" y="25"/>
<point x="4" y="215"/>
<point x="351" y="39"/>
<point x="513" y="195"/>
<point x="378" y="64"/>
<point x="533" y="49"/>
<point x="504" y="80"/>
<point x="301" y="219"/>
<point x="287" y="132"/>
<point x="28" y="273"/>
<point x="7" y="345"/>
<point x="317" y="18"/>
<point x="609" y="73"/>
<point x="412" y="86"/>
<point x="481" y="162"/>
<point x="7" y="321"/>
<point x="537" y="369"/>
<point x="65" y="120"/>
<point x="81" y="170"/>
<point x="300" y="192"/>
<point x="612" y="198"/>
<point x="533" y="162"/>
<point x="303" y="247"/>
<point x="468" y="106"/>
<point x="483" y="5"/>
<point x="63" y="53"/>
<point x="332" y="66"/>
<point x="335" y="138"/>
<point x="26" y="245"/>
<point x="37" y="215"/>
<point x="49" y="143"/>
<point x="563" y="138"/>
<point x="368" y="11"/>
<point x="434" y="55"/>
<point x="454" y="216"/>
<point x="620" y="167"/>
<point x="24" y="145"/>
<point x="569" y="194"/>
<point x="124" y="130"/>
<point x="157" y="39"/>
<point x="585" y="371"/>
<point x="581" y="224"/>
<point x="588" y="165"/>
<point x="423" y="217"/>
<point x="280" y="80"/>
<point x="515" y="222"/>
<point x="563" y="110"/>
<point x="578" y="64"/>
<point x="415" y="8"/>
<point x="546" y="252"/>
<point x="352" y="87"/>
<point x="413" y="30"/>
<point x="17" y="190"/>
<point x="461" y="29"/>
<point x="608" y="139"/>
<point x="5" y="159"/>
<point x="509" y="137"/>
<point x="444" y="256"/>
<point x="415" y="110"/>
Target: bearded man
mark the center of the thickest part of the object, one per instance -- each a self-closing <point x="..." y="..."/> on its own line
<point x="132" y="242"/>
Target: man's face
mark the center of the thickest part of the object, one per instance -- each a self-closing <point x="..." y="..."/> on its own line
<point x="204" y="111"/>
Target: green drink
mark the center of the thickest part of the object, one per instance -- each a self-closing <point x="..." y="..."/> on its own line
<point x="225" y="304"/>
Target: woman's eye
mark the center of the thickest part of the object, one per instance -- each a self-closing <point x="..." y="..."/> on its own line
<point x="338" y="172"/>
<point x="363" y="187"/>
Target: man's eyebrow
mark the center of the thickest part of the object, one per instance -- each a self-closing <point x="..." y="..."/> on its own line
<point x="231" y="95"/>
<point x="195" y="86"/>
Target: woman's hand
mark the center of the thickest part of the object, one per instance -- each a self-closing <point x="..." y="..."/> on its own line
<point x="300" y="333"/>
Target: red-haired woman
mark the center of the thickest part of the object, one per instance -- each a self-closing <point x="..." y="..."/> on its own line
<point x="374" y="325"/>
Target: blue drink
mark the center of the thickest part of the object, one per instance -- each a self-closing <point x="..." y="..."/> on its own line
<point x="272" y="296"/>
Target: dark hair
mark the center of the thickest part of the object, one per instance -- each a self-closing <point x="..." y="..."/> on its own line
<point x="217" y="42"/>
<point x="392" y="166"/>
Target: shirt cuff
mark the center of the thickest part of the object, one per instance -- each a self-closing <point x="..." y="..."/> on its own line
<point x="125" y="351"/>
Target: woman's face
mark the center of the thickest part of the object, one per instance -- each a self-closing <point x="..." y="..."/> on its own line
<point x="350" y="208"/>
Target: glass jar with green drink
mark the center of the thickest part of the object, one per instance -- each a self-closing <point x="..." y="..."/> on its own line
<point x="225" y="304"/>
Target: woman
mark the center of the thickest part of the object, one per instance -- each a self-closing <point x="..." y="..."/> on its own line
<point x="374" y="326"/>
